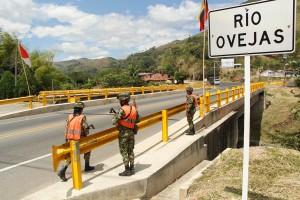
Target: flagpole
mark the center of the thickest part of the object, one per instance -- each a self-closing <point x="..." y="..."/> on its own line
<point x="24" y="70"/>
<point x="203" y="64"/>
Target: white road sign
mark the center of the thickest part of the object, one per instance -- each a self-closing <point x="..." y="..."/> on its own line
<point x="263" y="27"/>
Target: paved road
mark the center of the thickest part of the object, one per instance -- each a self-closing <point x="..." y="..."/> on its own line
<point x="26" y="142"/>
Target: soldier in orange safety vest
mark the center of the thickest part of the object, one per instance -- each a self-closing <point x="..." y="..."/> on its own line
<point x="191" y="104"/>
<point x="126" y="119"/>
<point x="76" y="128"/>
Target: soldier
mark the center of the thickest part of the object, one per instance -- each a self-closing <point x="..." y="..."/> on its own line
<point x="126" y="119"/>
<point x="76" y="128"/>
<point x="191" y="104"/>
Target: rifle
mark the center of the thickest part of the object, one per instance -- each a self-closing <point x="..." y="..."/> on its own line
<point x="134" y="103"/>
<point x="112" y="110"/>
<point x="91" y="126"/>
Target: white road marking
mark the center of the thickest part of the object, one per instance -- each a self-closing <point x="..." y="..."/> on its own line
<point x="22" y="163"/>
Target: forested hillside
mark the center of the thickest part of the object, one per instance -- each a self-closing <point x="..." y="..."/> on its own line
<point x="181" y="59"/>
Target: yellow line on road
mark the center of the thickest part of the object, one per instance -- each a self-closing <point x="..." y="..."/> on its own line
<point x="29" y="130"/>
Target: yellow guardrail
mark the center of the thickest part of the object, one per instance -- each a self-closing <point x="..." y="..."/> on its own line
<point x="77" y="95"/>
<point x="99" y="139"/>
<point x="278" y="83"/>
<point x="18" y="100"/>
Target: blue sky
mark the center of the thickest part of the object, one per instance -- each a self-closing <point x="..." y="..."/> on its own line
<point x="99" y="28"/>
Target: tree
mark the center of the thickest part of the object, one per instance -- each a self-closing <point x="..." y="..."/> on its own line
<point x="297" y="81"/>
<point x="180" y="76"/>
<point x="7" y="86"/>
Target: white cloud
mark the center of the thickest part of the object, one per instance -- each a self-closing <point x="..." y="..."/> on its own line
<point x="82" y="34"/>
<point x="81" y="50"/>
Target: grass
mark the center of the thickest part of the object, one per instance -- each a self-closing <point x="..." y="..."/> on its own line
<point x="274" y="172"/>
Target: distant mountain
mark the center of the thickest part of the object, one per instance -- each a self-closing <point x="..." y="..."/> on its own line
<point x="179" y="55"/>
<point x="84" y="65"/>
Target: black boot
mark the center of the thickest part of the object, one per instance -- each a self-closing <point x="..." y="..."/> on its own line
<point x="88" y="167"/>
<point x="192" y="132"/>
<point x="62" y="173"/>
<point x="132" y="169"/>
<point x="126" y="172"/>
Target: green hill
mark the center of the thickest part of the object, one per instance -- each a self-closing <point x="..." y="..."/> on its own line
<point x="180" y="55"/>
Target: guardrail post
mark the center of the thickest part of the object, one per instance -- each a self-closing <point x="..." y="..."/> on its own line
<point x="89" y="94"/>
<point x="227" y="95"/>
<point x="243" y="91"/>
<point x="233" y="93"/>
<point x="105" y="93"/>
<point x="160" y="88"/>
<point x="239" y="92"/>
<point x="152" y="89"/>
<point x="219" y="98"/>
<point x="76" y="167"/>
<point x="132" y="90"/>
<point x="167" y="87"/>
<point x="30" y="104"/>
<point x="143" y="89"/>
<point x="164" y="125"/>
<point x="69" y="98"/>
<point x="207" y="101"/>
<point x="201" y="108"/>
<point x="44" y="99"/>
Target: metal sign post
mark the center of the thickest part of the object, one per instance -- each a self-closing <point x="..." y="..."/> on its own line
<point x="252" y="29"/>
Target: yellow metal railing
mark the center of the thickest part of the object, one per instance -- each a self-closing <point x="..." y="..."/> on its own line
<point x="18" y="100"/>
<point x="96" y="140"/>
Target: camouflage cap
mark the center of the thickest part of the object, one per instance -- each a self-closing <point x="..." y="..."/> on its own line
<point x="79" y="104"/>
<point x="123" y="96"/>
<point x="189" y="88"/>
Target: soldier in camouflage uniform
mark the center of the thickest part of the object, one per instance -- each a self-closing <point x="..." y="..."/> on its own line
<point x="191" y="104"/>
<point x="125" y="119"/>
<point x="78" y="108"/>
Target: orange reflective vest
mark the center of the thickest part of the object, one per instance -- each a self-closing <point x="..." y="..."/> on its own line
<point x="130" y="116"/>
<point x="195" y="101"/>
<point x="74" y="127"/>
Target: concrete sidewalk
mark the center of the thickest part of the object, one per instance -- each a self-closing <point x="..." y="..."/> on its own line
<point x="157" y="165"/>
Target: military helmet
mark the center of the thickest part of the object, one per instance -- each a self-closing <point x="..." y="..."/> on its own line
<point x="123" y="96"/>
<point x="189" y="88"/>
<point x="79" y="104"/>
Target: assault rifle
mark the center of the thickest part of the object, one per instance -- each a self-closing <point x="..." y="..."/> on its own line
<point x="91" y="126"/>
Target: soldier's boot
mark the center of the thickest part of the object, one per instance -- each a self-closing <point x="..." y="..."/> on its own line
<point x="62" y="173"/>
<point x="127" y="171"/>
<point x="87" y="167"/>
<point x="192" y="132"/>
<point x="132" y="169"/>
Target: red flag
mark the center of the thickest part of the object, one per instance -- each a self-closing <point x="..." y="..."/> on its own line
<point x="25" y="55"/>
<point x="203" y="16"/>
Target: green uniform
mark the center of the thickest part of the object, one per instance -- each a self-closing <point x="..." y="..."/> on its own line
<point x="126" y="138"/>
<point x="84" y="133"/>
<point x="190" y="110"/>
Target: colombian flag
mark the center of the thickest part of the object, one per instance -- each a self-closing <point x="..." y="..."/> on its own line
<point x="203" y="14"/>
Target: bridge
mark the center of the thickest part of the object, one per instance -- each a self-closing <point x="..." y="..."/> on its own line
<point x="158" y="163"/>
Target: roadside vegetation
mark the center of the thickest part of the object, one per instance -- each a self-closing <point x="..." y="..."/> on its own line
<point x="179" y="59"/>
<point x="274" y="169"/>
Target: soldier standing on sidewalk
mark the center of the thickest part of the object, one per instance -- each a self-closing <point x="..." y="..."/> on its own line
<point x="191" y="104"/>
<point x="125" y="119"/>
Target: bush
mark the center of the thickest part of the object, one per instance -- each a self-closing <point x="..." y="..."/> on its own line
<point x="297" y="81"/>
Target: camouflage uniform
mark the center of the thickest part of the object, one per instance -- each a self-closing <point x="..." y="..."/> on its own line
<point x="84" y="133"/>
<point x="78" y="108"/>
<point x="190" y="110"/>
<point x="126" y="138"/>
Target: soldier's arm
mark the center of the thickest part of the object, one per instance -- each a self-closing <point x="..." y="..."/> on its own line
<point x="85" y="126"/>
<point x="137" y="117"/>
<point x="119" y="115"/>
